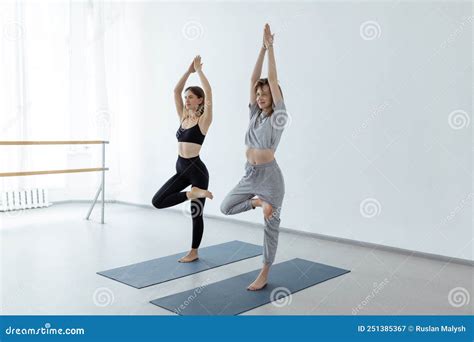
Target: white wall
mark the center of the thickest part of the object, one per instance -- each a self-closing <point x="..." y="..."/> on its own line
<point x="369" y="117"/>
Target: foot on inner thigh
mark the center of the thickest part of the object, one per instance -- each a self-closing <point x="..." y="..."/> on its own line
<point x="191" y="256"/>
<point x="198" y="193"/>
<point x="266" y="207"/>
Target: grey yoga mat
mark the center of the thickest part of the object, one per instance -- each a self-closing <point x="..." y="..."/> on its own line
<point x="230" y="296"/>
<point x="167" y="268"/>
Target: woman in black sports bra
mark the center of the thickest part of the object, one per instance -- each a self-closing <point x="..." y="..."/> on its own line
<point x="195" y="117"/>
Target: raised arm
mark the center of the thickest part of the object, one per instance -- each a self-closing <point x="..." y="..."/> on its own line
<point x="272" y="72"/>
<point x="206" y="117"/>
<point x="257" y="72"/>
<point x="178" y="91"/>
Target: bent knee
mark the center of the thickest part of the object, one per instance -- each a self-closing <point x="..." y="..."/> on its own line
<point x="157" y="203"/>
<point x="225" y="208"/>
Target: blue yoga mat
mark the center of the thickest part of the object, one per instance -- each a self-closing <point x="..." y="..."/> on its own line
<point x="159" y="270"/>
<point x="231" y="297"/>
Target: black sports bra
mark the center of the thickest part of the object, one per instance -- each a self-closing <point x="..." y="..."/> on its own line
<point x="192" y="134"/>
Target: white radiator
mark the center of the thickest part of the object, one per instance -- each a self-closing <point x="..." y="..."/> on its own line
<point x="24" y="199"/>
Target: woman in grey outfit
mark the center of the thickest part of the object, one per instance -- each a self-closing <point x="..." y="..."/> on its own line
<point x="262" y="185"/>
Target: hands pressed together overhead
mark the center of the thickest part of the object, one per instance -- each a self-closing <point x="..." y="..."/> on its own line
<point x="195" y="65"/>
<point x="267" y="37"/>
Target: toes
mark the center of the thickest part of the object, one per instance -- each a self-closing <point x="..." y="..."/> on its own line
<point x="184" y="259"/>
<point x="187" y="258"/>
<point x="255" y="288"/>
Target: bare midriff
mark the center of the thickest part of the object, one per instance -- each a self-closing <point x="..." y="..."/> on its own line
<point x="188" y="150"/>
<point x="256" y="156"/>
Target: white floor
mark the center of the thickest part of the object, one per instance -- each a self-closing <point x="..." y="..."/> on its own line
<point x="49" y="260"/>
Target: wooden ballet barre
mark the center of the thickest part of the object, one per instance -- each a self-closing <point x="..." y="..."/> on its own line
<point x="101" y="189"/>
<point x="50" y="172"/>
<point x="64" y="142"/>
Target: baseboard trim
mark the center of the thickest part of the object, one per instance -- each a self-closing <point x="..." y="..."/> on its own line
<point x="372" y="245"/>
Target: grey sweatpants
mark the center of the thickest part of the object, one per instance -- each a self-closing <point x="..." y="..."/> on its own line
<point x="265" y="181"/>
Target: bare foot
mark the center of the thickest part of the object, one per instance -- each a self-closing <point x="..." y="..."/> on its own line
<point x="261" y="280"/>
<point x="266" y="207"/>
<point x="191" y="256"/>
<point x="198" y="193"/>
<point x="256" y="202"/>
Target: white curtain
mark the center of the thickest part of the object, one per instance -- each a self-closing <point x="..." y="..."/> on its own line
<point x="54" y="86"/>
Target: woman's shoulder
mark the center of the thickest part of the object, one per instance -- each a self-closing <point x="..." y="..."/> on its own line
<point x="253" y="109"/>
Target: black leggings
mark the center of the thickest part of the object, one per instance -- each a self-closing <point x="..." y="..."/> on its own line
<point x="189" y="171"/>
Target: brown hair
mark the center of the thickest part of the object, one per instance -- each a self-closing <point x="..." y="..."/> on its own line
<point x="199" y="92"/>
<point x="264" y="81"/>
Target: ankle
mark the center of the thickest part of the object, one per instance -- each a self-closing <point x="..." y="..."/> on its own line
<point x="191" y="194"/>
